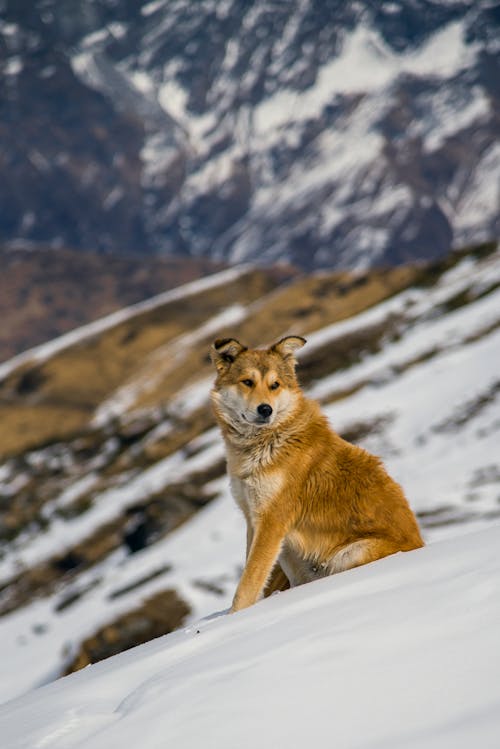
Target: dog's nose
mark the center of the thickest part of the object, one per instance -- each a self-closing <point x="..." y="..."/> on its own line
<point x="264" y="410"/>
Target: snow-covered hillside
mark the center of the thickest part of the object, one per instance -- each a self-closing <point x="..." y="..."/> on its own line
<point x="400" y="653"/>
<point x="130" y="517"/>
<point x="337" y="134"/>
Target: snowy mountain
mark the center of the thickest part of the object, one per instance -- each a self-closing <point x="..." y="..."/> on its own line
<point x="324" y="134"/>
<point x="116" y="521"/>
<point x="400" y="653"/>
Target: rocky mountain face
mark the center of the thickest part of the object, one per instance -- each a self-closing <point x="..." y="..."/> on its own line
<point x="116" y="523"/>
<point x="337" y="134"/>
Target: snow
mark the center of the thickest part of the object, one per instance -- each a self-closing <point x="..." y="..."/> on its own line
<point x="444" y="55"/>
<point x="152" y="7"/>
<point x="173" y="99"/>
<point x="346" y="171"/>
<point x="216" y="171"/>
<point x="13" y="66"/>
<point x="9" y="29"/>
<point x="142" y="81"/>
<point x="418" y="305"/>
<point x="73" y="492"/>
<point x="440" y="334"/>
<point x="191" y="397"/>
<point x="159" y="152"/>
<point x="94" y="39"/>
<point x="366" y="65"/>
<point x="481" y="198"/>
<point x="84" y="66"/>
<point x="450" y="112"/>
<point x="118" y="30"/>
<point x="109" y="504"/>
<point x="401" y="652"/>
<point x="38" y="639"/>
<point x="341" y="154"/>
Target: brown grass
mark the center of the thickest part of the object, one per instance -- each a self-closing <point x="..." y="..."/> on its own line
<point x="45" y="293"/>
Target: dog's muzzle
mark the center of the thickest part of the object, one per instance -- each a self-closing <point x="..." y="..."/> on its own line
<point x="260" y="417"/>
<point x="264" y="410"/>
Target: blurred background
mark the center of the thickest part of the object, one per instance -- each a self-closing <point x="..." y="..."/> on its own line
<point x="330" y="169"/>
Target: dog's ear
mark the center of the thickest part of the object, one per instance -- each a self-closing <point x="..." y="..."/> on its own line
<point x="224" y="351"/>
<point x="287" y="347"/>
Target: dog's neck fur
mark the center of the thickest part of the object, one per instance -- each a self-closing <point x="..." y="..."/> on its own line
<point x="256" y="447"/>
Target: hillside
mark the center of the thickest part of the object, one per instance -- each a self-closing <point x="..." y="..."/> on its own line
<point x="400" y="653"/>
<point x="116" y="520"/>
<point x="45" y="292"/>
<point x="339" y="134"/>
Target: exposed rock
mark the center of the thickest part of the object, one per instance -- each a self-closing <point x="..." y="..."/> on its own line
<point x="159" y="615"/>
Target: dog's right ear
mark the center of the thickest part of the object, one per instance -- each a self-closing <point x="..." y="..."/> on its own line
<point x="224" y="352"/>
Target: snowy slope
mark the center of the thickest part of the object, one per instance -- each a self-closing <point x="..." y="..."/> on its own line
<point x="402" y="652"/>
<point x="425" y="399"/>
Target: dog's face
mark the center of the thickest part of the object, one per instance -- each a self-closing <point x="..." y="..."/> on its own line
<point x="256" y="388"/>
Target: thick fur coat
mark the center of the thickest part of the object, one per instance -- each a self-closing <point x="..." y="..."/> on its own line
<point x="314" y="504"/>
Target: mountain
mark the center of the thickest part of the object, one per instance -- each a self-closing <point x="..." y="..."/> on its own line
<point x="402" y="652"/>
<point x="340" y="134"/>
<point x="116" y="520"/>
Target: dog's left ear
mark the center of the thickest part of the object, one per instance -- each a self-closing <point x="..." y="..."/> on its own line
<point x="224" y="351"/>
<point x="288" y="346"/>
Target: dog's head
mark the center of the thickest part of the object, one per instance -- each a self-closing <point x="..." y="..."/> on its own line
<point x="255" y="388"/>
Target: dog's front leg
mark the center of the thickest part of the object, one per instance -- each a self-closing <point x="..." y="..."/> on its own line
<point x="249" y="539"/>
<point x="264" y="551"/>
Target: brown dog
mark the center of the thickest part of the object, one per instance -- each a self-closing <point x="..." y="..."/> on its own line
<point x="312" y="501"/>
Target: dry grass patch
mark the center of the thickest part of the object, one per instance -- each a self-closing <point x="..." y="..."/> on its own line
<point x="26" y="426"/>
<point x="318" y="300"/>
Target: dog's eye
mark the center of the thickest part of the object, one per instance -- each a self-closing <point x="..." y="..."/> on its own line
<point x="274" y="386"/>
<point x="248" y="383"/>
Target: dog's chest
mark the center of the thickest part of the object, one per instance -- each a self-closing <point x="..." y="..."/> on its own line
<point x="254" y="477"/>
<point x="254" y="491"/>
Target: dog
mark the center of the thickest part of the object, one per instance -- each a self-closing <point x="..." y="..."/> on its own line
<point x="314" y="504"/>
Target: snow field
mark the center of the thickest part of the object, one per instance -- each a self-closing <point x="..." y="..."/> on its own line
<point x="402" y="652"/>
<point x="434" y="423"/>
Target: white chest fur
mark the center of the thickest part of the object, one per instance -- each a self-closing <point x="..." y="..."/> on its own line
<point x="254" y="481"/>
<point x="253" y="492"/>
